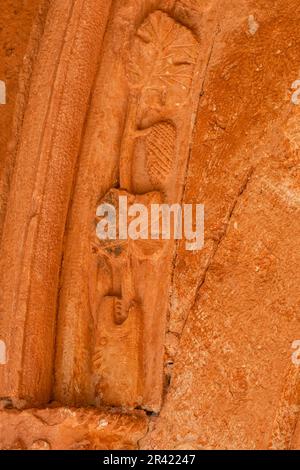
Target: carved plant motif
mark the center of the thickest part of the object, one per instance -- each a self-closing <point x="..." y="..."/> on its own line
<point x="163" y="56"/>
<point x="160" y="72"/>
<point x="160" y="144"/>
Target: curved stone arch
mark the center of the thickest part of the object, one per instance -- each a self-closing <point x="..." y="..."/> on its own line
<point x="40" y="192"/>
<point x="97" y="173"/>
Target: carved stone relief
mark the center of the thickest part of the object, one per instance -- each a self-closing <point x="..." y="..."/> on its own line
<point x="40" y="192"/>
<point x="123" y="330"/>
<point x="108" y="113"/>
<point x="160" y="75"/>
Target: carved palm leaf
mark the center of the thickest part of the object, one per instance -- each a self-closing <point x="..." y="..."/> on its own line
<point x="164" y="54"/>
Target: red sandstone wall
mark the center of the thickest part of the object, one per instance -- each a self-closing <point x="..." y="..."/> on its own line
<point x="234" y="306"/>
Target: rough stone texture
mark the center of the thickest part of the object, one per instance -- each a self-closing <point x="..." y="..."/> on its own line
<point x="16" y="20"/>
<point x="233" y="384"/>
<point x="296" y="438"/>
<point x="126" y="117"/>
<point x="31" y="248"/>
<point x="233" y="312"/>
<point x="70" y="429"/>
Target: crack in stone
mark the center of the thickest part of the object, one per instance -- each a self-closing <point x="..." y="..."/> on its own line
<point x="174" y="261"/>
<point x="242" y="190"/>
<point x="145" y="435"/>
<point x="201" y="94"/>
<point x="218" y="243"/>
<point x="175" y="257"/>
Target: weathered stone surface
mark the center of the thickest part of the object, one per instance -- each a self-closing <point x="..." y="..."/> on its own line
<point x="138" y="138"/>
<point x="32" y="240"/>
<point x="202" y="338"/>
<point x="16" y="23"/>
<point x="296" y="438"/>
<point x="234" y="384"/>
<point x="70" y="429"/>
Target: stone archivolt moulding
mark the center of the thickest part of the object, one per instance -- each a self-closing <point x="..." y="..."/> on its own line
<point x="84" y="323"/>
<point x="41" y="186"/>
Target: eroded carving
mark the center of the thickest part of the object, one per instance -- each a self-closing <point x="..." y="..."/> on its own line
<point x="153" y="158"/>
<point x="160" y="146"/>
